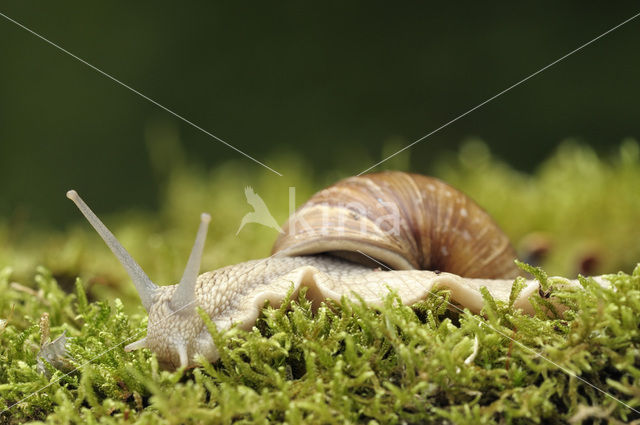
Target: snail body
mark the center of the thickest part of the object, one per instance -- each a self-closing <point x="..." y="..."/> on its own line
<point x="360" y="239"/>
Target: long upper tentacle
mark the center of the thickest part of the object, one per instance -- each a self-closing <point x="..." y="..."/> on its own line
<point x="146" y="288"/>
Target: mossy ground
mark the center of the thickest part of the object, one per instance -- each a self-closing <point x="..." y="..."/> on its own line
<point x="346" y="363"/>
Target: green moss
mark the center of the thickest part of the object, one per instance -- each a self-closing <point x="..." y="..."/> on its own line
<point x="346" y="363"/>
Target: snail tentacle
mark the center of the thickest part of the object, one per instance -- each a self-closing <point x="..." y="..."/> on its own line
<point x="184" y="296"/>
<point x="145" y="287"/>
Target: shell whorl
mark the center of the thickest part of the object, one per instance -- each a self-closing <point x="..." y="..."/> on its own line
<point x="406" y="221"/>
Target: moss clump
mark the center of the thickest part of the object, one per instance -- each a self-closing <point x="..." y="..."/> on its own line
<point x="345" y="364"/>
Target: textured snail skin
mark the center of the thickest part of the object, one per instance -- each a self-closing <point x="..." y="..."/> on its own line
<point x="237" y="293"/>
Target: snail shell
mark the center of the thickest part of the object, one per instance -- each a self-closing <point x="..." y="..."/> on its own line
<point x="406" y="221"/>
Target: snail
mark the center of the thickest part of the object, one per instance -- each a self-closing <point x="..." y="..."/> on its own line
<point x="360" y="238"/>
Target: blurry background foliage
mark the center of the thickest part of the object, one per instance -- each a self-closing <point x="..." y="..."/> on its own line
<point x="577" y="213"/>
<point x="319" y="93"/>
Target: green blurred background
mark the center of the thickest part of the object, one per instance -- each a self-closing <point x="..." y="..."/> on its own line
<point x="335" y="86"/>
